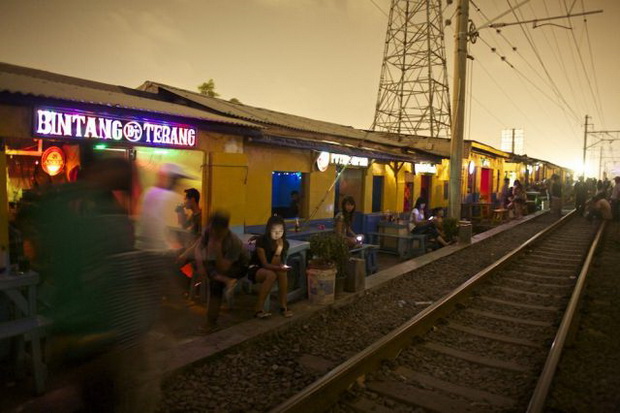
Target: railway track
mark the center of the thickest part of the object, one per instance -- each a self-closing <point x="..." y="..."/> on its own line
<point x="483" y="348"/>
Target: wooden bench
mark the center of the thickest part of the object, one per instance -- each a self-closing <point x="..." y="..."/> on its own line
<point x="406" y="248"/>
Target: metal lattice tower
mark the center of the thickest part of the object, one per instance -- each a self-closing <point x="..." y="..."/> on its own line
<point x="413" y="91"/>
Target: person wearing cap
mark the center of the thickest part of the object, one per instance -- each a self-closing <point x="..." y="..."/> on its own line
<point x="615" y="199"/>
<point x="158" y="214"/>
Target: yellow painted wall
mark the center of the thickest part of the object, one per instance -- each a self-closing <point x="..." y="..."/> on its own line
<point x="228" y="174"/>
<point x="216" y="148"/>
<point x="319" y="198"/>
<point x="317" y="191"/>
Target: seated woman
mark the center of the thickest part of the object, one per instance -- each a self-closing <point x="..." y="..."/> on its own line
<point x="268" y="264"/>
<point x="419" y="225"/>
<point x="437" y="219"/>
<point x="344" y="222"/>
<point x="517" y="200"/>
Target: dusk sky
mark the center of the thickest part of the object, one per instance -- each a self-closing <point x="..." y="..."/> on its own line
<point x="322" y="58"/>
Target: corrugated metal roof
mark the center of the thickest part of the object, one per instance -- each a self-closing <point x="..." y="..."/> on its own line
<point x="270" y="117"/>
<point x="39" y="83"/>
<point x="254" y="114"/>
<point x="318" y="145"/>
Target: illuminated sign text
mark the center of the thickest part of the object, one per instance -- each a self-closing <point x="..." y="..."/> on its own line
<point x="86" y="125"/>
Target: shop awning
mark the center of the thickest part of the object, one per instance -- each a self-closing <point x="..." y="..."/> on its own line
<point x="335" y="147"/>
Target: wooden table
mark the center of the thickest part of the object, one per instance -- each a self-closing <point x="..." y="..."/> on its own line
<point x="476" y="210"/>
<point x="21" y="289"/>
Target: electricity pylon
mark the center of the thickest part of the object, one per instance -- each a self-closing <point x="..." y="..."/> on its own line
<point x="413" y="93"/>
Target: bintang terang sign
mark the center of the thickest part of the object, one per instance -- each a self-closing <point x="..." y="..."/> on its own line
<point x="76" y="124"/>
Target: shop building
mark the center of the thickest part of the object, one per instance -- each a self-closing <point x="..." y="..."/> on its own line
<point x="293" y="153"/>
<point x="53" y="125"/>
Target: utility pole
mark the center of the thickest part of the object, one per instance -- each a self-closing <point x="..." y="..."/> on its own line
<point x="585" y="145"/>
<point x="513" y="140"/>
<point x="458" y="106"/>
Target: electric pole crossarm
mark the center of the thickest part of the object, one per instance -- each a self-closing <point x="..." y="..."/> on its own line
<point x="567" y="16"/>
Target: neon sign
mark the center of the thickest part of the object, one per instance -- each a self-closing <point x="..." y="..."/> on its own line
<point x="53" y="160"/>
<point x="339" y="159"/>
<point x="425" y="168"/>
<point x="56" y="122"/>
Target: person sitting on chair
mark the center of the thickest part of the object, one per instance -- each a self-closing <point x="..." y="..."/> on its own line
<point x="344" y="221"/>
<point x="221" y="257"/>
<point x="268" y="264"/>
<point x="419" y="225"/>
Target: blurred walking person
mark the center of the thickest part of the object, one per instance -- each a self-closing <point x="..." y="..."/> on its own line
<point x="158" y="211"/>
<point x="556" y="195"/>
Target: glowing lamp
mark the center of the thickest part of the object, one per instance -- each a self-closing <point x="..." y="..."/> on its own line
<point x="472" y="167"/>
<point x="53" y="160"/>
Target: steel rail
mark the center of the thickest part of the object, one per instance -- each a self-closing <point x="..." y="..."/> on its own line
<point x="324" y="392"/>
<point x="539" y="397"/>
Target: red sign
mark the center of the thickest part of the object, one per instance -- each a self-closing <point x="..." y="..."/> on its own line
<point x="53" y="160"/>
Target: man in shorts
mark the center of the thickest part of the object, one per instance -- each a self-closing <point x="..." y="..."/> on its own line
<point x="221" y="257"/>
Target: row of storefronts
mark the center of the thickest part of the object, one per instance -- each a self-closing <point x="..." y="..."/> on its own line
<point x="247" y="160"/>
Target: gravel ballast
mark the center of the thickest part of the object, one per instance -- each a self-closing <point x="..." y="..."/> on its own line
<point x="588" y="377"/>
<point x="260" y="375"/>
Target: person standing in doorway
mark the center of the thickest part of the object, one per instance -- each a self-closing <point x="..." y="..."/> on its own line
<point x="293" y="210"/>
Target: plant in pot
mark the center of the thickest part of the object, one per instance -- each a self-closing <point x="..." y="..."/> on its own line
<point x="327" y="266"/>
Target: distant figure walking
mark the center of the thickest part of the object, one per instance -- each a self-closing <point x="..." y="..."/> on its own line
<point x="581" y="195"/>
<point x="556" y="195"/>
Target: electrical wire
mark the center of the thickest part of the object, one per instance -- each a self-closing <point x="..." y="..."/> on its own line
<point x="511" y="98"/>
<point x="379" y="8"/>
<point x="555" y="50"/>
<point x="555" y="88"/>
<point x="503" y="57"/>
<point x="585" y="23"/>
<point x="583" y="66"/>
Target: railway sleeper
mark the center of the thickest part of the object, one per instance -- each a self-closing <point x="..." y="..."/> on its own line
<point x="528" y="293"/>
<point x="492" y="336"/>
<point x="541" y="285"/>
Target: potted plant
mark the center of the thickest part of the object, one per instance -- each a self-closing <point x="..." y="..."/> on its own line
<point x="327" y="267"/>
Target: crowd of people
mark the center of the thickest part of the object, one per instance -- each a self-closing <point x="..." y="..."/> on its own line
<point x="598" y="198"/>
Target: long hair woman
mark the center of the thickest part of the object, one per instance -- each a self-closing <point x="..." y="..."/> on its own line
<point x="269" y="264"/>
<point x="344" y="221"/>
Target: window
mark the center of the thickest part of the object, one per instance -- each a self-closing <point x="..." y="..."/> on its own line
<point x="286" y="194"/>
